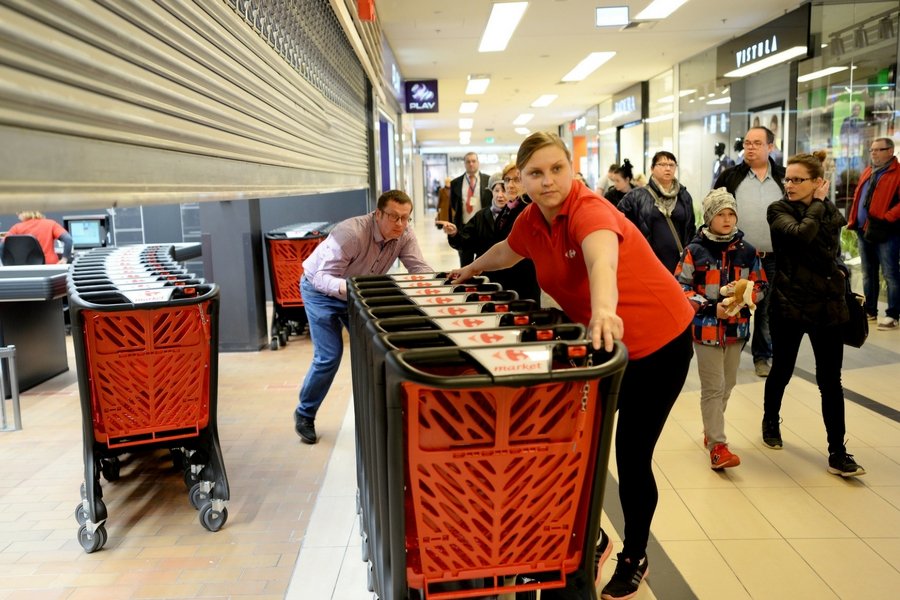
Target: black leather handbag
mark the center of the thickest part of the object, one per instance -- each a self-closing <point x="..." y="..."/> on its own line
<point x="856" y="329"/>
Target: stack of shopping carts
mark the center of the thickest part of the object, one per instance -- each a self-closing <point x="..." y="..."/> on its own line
<point x="145" y="335"/>
<point x="483" y="428"/>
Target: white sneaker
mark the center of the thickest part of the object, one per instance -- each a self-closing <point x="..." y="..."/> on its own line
<point x="888" y="323"/>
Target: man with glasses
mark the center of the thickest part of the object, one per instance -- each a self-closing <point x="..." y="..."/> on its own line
<point x="465" y="200"/>
<point x="365" y="245"/>
<point x="875" y="215"/>
<point x="756" y="183"/>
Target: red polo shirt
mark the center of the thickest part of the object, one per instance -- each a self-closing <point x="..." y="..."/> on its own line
<point x="651" y="302"/>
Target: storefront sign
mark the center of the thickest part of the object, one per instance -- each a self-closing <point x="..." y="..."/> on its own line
<point x="786" y="37"/>
<point x="627" y="106"/>
<point x="421" y="96"/>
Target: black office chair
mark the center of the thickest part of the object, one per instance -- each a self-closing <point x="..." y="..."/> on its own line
<point x="22" y="250"/>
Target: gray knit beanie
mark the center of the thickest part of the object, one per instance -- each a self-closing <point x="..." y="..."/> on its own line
<point x="715" y="202"/>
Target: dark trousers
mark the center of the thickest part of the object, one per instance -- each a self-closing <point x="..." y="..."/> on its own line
<point x="761" y="341"/>
<point x="465" y="257"/>
<point x="828" y="349"/>
<point x="649" y="389"/>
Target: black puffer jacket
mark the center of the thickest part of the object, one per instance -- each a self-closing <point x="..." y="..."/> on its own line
<point x="810" y="283"/>
<point x="639" y="206"/>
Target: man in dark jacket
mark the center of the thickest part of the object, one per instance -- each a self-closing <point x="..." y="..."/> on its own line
<point x="756" y="183"/>
<point x="875" y="215"/>
<point x="466" y="199"/>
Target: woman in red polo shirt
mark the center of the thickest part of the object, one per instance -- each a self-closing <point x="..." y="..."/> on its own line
<point x="584" y="249"/>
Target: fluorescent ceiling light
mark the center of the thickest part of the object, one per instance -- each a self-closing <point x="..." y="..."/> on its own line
<point x="769" y="61"/>
<point x="612" y="16"/>
<point x="725" y="100"/>
<point x="821" y="73"/>
<point x="465" y="137"/>
<point x="478" y="84"/>
<point x="591" y="127"/>
<point x="610" y="117"/>
<point x="660" y="118"/>
<point x="591" y="63"/>
<point x="523" y="119"/>
<point x="659" y="9"/>
<point x="466" y="123"/>
<point x="468" y="108"/>
<point x="545" y="100"/>
<point x="522" y="130"/>
<point x="504" y="19"/>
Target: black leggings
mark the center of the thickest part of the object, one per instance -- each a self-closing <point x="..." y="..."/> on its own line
<point x="828" y="349"/>
<point x="649" y="390"/>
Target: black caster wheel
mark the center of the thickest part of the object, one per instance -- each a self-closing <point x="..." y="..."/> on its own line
<point x="212" y="520"/>
<point x="283" y="338"/>
<point x="197" y="496"/>
<point x="81" y="515"/>
<point x="273" y="345"/>
<point x="190" y="478"/>
<point x="110" y="468"/>
<point x="91" y="542"/>
<point x="178" y="460"/>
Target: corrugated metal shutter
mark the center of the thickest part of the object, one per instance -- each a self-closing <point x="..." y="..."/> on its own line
<point x="125" y="102"/>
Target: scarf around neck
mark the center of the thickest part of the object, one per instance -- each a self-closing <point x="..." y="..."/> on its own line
<point x="665" y="201"/>
<point x="715" y="237"/>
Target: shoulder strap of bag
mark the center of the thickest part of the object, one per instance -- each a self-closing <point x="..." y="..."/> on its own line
<point x="678" y="243"/>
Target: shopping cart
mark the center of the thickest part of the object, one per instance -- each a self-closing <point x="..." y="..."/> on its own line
<point x="145" y="335"/>
<point x="286" y="249"/>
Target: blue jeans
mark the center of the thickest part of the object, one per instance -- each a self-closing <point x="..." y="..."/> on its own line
<point x="327" y="318"/>
<point x="761" y="341"/>
<point x="887" y="256"/>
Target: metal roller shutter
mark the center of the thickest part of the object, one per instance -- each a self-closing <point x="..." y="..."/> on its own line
<point x="127" y="102"/>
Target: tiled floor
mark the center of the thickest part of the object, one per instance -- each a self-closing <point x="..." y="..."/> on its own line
<point x="778" y="526"/>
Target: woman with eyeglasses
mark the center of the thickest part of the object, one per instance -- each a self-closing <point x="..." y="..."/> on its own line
<point x="663" y="210"/>
<point x="808" y="297"/>
<point x="600" y="270"/>
<point x="493" y="224"/>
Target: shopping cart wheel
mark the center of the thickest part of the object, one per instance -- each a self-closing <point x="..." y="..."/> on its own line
<point x="370" y="578"/>
<point x="213" y="520"/>
<point x="283" y="337"/>
<point x="273" y="345"/>
<point x="110" y="468"/>
<point x="198" y="496"/>
<point x="364" y="547"/>
<point x="91" y="542"/>
<point x="178" y="460"/>
<point x="81" y="515"/>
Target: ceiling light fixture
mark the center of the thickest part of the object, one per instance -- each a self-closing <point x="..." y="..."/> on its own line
<point x="886" y="28"/>
<point x="502" y="23"/>
<point x="860" y="38"/>
<point x="523" y="119"/>
<point x="588" y="65"/>
<point x="821" y="73"/>
<point x="659" y="9"/>
<point x="725" y="100"/>
<point x="612" y="16"/>
<point x="477" y="84"/>
<point x="466" y="123"/>
<point x="836" y="46"/>
<point x="660" y="118"/>
<point x="545" y="100"/>
<point x="769" y="61"/>
<point x="522" y="130"/>
<point x="468" y="108"/>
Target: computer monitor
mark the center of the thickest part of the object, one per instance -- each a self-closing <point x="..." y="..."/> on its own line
<point x="87" y="231"/>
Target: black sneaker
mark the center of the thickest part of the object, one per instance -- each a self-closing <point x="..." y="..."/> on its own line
<point x="771" y="433"/>
<point x="601" y="553"/>
<point x="626" y="580"/>
<point x="841" y="463"/>
<point x="306" y="429"/>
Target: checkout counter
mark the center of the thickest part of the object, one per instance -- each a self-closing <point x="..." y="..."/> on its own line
<point x="31" y="319"/>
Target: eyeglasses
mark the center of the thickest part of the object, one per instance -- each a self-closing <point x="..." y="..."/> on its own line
<point x="795" y="180"/>
<point x="879" y="149"/>
<point x="512" y="179"/>
<point x="666" y="165"/>
<point x="395" y="218"/>
<point x="755" y="144"/>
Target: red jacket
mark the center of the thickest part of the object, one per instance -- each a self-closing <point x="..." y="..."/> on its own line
<point x="886" y="191"/>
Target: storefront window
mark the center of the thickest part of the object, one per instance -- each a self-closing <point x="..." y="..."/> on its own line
<point x="846" y="93"/>
<point x="661" y="114"/>
<point x="607" y="147"/>
<point x="705" y="145"/>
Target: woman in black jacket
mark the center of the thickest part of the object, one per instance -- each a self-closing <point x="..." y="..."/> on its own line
<point x="663" y="210"/>
<point x="620" y="178"/>
<point x="808" y="297"/>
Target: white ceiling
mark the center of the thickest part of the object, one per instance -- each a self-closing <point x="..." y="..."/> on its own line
<point x="438" y="39"/>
